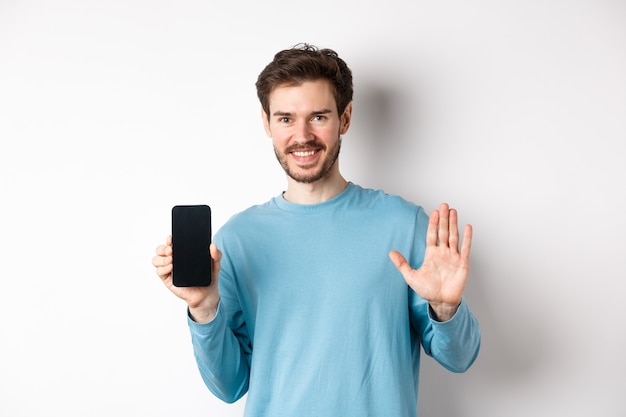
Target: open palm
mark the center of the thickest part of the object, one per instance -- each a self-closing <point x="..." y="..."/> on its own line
<point x="442" y="277"/>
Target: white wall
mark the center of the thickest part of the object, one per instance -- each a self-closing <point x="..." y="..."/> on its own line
<point x="113" y="111"/>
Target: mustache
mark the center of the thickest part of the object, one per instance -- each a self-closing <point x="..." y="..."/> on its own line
<point x="304" y="148"/>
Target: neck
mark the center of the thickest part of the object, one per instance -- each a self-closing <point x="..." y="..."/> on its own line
<point x="314" y="193"/>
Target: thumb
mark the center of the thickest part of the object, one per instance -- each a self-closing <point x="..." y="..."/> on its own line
<point x="216" y="254"/>
<point x="400" y="262"/>
<point x="216" y="257"/>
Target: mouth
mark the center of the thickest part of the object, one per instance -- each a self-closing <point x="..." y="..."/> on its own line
<point x="305" y="157"/>
<point x="303" y="154"/>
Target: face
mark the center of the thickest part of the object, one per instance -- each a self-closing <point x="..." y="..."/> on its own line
<point x="305" y="128"/>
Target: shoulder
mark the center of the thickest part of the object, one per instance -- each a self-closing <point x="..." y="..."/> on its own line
<point x="380" y="199"/>
<point x="248" y="220"/>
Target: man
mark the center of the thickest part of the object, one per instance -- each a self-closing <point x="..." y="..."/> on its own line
<point x="317" y="311"/>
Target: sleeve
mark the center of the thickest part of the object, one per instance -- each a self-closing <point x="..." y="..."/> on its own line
<point x="223" y="362"/>
<point x="222" y="347"/>
<point x="454" y="343"/>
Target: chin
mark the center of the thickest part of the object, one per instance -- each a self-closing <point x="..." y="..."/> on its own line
<point x="305" y="179"/>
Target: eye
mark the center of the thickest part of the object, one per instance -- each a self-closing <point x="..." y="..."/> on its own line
<point x="284" y="120"/>
<point x="318" y="118"/>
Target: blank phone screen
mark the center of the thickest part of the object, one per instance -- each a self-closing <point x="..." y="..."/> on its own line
<point x="191" y="237"/>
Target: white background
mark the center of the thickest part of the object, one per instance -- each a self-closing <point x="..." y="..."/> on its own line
<point x="113" y="111"/>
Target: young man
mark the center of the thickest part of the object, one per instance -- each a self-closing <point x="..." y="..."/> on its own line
<point x="316" y="311"/>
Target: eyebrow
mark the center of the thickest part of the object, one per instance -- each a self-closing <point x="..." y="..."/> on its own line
<point x="313" y="113"/>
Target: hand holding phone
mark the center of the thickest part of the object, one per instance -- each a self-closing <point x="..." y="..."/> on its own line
<point x="191" y="237"/>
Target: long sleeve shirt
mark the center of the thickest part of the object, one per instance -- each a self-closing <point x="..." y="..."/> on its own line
<point x="314" y="318"/>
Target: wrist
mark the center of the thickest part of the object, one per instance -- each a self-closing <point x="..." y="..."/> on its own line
<point x="204" y="312"/>
<point x="443" y="312"/>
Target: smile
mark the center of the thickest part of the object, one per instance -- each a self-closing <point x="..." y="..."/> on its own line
<point x="304" y="153"/>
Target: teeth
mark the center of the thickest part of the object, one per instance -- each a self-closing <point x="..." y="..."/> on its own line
<point x="302" y="153"/>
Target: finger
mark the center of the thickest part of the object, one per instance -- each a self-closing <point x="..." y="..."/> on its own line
<point x="160" y="260"/>
<point x="444" y="219"/>
<point x="166" y="249"/>
<point x="466" y="246"/>
<point x="163" y="250"/>
<point x="164" y="272"/>
<point x="431" y="233"/>
<point x="400" y="262"/>
<point x="454" y="230"/>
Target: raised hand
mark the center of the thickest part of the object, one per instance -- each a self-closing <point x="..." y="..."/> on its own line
<point x="442" y="277"/>
<point x="202" y="301"/>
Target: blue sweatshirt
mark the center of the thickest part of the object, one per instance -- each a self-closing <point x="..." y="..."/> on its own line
<point x="314" y="318"/>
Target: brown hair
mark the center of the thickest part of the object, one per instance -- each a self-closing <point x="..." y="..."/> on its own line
<point x="305" y="62"/>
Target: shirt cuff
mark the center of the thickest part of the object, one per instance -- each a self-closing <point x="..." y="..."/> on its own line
<point x="462" y="306"/>
<point x="205" y="328"/>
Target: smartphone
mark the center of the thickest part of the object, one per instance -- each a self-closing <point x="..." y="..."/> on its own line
<point x="191" y="237"/>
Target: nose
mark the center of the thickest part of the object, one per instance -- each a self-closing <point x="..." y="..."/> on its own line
<point x="302" y="131"/>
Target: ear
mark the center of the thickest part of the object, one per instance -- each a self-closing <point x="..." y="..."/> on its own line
<point x="266" y="123"/>
<point x="346" y="117"/>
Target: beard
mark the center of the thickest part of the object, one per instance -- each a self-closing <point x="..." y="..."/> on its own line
<point x="309" y="176"/>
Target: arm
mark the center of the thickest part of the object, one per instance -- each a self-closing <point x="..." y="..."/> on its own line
<point x="455" y="343"/>
<point x="223" y="355"/>
<point x="447" y="329"/>
<point x="220" y="344"/>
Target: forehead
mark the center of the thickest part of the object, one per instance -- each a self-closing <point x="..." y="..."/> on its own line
<point x="304" y="96"/>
